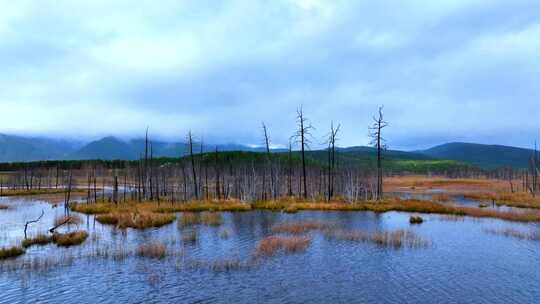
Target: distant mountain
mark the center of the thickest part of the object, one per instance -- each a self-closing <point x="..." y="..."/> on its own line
<point x="19" y="148"/>
<point x="111" y="148"/>
<point x="485" y="156"/>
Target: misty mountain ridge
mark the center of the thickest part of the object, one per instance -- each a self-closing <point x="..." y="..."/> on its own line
<point x="19" y="148"/>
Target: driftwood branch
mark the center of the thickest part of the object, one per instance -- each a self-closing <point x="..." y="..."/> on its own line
<point x="31" y="222"/>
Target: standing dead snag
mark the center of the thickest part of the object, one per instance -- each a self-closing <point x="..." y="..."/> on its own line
<point x="269" y="161"/>
<point x="378" y="142"/>
<point x="193" y="170"/>
<point x="332" y="138"/>
<point x="301" y="136"/>
<point x="31" y="222"/>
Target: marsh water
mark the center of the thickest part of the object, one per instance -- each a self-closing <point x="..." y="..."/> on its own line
<point x="462" y="264"/>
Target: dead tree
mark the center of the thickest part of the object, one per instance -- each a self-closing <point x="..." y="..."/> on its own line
<point x="302" y="137"/>
<point x="378" y="142"/>
<point x="193" y="169"/>
<point x="269" y="161"/>
<point x="332" y="138"/>
<point x="31" y="222"/>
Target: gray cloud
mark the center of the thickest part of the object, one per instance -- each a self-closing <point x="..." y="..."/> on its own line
<point x="444" y="70"/>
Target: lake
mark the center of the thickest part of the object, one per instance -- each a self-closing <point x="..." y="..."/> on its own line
<point x="463" y="263"/>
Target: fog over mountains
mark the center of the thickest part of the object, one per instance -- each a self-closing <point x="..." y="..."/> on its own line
<point x="20" y="149"/>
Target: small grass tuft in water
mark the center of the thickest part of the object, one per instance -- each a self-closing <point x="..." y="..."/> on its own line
<point x="10" y="252"/>
<point x="205" y="218"/>
<point x="40" y="239"/>
<point x="211" y="218"/>
<point x="394" y="239"/>
<point x="300" y="227"/>
<point x="189" y="236"/>
<point x="4" y="207"/>
<point x="272" y="245"/>
<point x="416" y="219"/>
<point x="70" y="238"/>
<point x="152" y="250"/>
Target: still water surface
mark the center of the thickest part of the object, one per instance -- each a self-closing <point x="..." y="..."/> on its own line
<point x="463" y="264"/>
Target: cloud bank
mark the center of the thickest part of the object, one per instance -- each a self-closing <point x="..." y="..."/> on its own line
<point x="449" y="70"/>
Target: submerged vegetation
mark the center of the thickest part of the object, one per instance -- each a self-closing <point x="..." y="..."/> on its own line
<point x="152" y="250"/>
<point x="394" y="239"/>
<point x="510" y="232"/>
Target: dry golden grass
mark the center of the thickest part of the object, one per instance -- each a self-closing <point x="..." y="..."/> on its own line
<point x="140" y="220"/>
<point x="152" y="250"/>
<point x="420" y="183"/>
<point x="67" y="219"/>
<point x="70" y="238"/>
<point x="10" y="252"/>
<point x="300" y="227"/>
<point x="211" y="218"/>
<point x="272" y="245"/>
<point x="388" y="204"/>
<point x="39" y="239"/>
<point x="393" y="239"/>
<point x="510" y="232"/>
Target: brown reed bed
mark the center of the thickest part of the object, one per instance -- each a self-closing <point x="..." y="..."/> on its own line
<point x="140" y="220"/>
<point x="272" y="245"/>
<point x="11" y="252"/>
<point x="513" y="233"/>
<point x="393" y="239"/>
<point x="67" y="219"/>
<point x="70" y="238"/>
<point x="152" y="250"/>
<point x="302" y="226"/>
<point x="36" y="264"/>
<point x="4" y="207"/>
<point x="388" y="204"/>
<point x="38" y="239"/>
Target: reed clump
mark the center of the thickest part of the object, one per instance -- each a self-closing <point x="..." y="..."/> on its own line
<point x="11" y="252"/>
<point x="141" y="220"/>
<point x="98" y="208"/>
<point x="70" y="239"/>
<point x="300" y="227"/>
<point x="39" y="239"/>
<point x="513" y="199"/>
<point x="272" y="245"/>
<point x="3" y="207"/>
<point x="393" y="239"/>
<point x="152" y="250"/>
<point x="416" y="219"/>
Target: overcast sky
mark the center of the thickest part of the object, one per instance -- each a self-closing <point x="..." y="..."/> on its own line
<point x="445" y="70"/>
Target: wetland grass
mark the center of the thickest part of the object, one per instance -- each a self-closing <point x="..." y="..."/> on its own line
<point x="152" y="250"/>
<point x="39" y="239"/>
<point x="273" y="245"/>
<point x="300" y="227"/>
<point x="141" y="220"/>
<point x="393" y="239"/>
<point x="513" y="233"/>
<point x="4" y="207"/>
<point x="11" y="252"/>
<point x="70" y="238"/>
